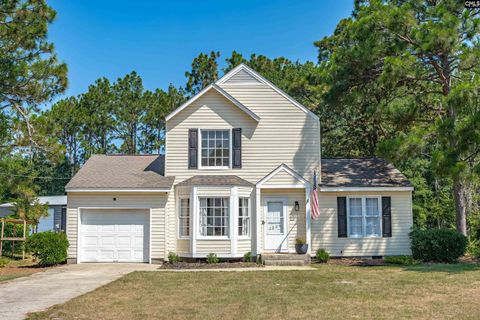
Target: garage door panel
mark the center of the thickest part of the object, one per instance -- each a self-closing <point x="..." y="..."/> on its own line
<point x="111" y="235"/>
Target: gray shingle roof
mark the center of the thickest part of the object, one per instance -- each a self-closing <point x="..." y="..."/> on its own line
<point x="361" y="172"/>
<point x="229" y="180"/>
<point x="122" y="172"/>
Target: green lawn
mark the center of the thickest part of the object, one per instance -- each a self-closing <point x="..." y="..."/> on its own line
<point x="330" y="292"/>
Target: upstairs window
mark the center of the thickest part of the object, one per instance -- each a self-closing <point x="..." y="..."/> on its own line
<point x="215" y="145"/>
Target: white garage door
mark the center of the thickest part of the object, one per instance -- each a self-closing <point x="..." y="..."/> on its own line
<point x="109" y="235"/>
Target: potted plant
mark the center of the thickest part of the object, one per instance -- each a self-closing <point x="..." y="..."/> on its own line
<point x="301" y="246"/>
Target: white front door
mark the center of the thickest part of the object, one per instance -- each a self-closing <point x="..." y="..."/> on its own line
<point x="114" y="235"/>
<point x="276" y="233"/>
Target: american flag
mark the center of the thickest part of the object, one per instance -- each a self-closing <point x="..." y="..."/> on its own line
<point x="315" y="208"/>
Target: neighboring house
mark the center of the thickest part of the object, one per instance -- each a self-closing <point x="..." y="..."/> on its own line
<point x="236" y="177"/>
<point x="56" y="218"/>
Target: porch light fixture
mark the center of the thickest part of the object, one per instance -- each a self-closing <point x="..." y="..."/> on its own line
<point x="297" y="206"/>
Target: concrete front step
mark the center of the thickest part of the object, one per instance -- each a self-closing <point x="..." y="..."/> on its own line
<point x="284" y="262"/>
<point x="283" y="259"/>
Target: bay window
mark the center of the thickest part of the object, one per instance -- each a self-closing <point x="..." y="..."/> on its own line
<point x="184" y="218"/>
<point x="214" y="214"/>
<point x="364" y="217"/>
<point x="243" y="217"/>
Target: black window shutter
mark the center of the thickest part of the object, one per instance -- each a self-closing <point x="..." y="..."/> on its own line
<point x="63" y="219"/>
<point x="192" y="148"/>
<point x="237" y="148"/>
<point x="342" y="216"/>
<point x="387" y="216"/>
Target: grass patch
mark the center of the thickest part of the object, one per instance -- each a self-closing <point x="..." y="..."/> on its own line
<point x="332" y="291"/>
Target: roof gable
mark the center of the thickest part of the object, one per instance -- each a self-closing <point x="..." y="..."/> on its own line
<point x="281" y="170"/>
<point x="223" y="93"/>
<point x="242" y="70"/>
<point x="241" y="77"/>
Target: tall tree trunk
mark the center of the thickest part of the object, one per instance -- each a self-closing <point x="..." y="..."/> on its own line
<point x="459" y="189"/>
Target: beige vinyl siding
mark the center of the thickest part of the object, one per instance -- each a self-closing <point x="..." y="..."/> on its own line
<point x="296" y="219"/>
<point x="282" y="178"/>
<point x="244" y="246"/>
<point x="183" y="246"/>
<point x="242" y="77"/>
<point x="156" y="202"/>
<point x="325" y="231"/>
<point x="284" y="134"/>
<point x="219" y="247"/>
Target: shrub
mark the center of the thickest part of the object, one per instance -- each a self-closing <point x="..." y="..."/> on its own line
<point x="401" y="260"/>
<point x="300" y="240"/>
<point x="322" y="256"/>
<point x="247" y="257"/>
<point x="473" y="248"/>
<point x="48" y="247"/>
<point x="4" y="261"/>
<point x="173" y="257"/>
<point x="212" y="258"/>
<point x="437" y="245"/>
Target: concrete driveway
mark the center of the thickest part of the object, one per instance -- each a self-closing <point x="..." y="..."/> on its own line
<point x="58" y="285"/>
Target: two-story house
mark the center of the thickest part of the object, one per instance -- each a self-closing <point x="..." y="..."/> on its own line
<point x="236" y="177"/>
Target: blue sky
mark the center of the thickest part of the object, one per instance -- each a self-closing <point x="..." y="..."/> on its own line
<point x="159" y="39"/>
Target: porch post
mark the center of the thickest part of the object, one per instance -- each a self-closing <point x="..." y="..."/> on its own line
<point x="194" y="221"/>
<point x="308" y="219"/>
<point x="258" y="222"/>
<point x="233" y="220"/>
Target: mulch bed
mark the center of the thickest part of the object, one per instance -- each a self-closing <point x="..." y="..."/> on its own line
<point x="357" y="262"/>
<point x="203" y="265"/>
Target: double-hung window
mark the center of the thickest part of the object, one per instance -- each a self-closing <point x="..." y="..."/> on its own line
<point x="184" y="218"/>
<point x="364" y="217"/>
<point x="215" y="146"/>
<point x="214" y="214"/>
<point x="243" y="217"/>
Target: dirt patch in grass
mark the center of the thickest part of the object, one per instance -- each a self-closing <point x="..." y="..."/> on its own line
<point x="357" y="262"/>
<point x="203" y="265"/>
<point x="17" y="267"/>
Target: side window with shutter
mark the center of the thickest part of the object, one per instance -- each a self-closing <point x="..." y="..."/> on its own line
<point x="192" y="148"/>
<point x="237" y="148"/>
<point x="387" y="217"/>
<point x="342" y="216"/>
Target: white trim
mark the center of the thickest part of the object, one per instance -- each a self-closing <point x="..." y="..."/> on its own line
<point x="195" y="221"/>
<point x="258" y="228"/>
<point x="164" y="190"/>
<point x="364" y="221"/>
<point x="233" y="220"/>
<point x="79" y="226"/>
<point x="363" y="189"/>
<point x="268" y="83"/>
<point x="287" y="169"/>
<point x="223" y="93"/>
<point x="286" y="218"/>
